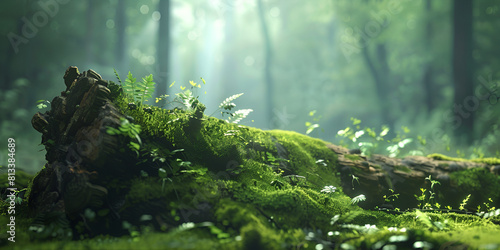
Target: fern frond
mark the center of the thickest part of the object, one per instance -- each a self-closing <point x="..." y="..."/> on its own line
<point x="238" y="115"/>
<point x="129" y="86"/>
<point x="117" y="77"/>
<point x="146" y="88"/>
<point x="227" y="104"/>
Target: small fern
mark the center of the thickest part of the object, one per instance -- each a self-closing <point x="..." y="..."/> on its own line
<point x="140" y="91"/>
<point x="187" y="98"/>
<point x="490" y="214"/>
<point x="117" y="76"/>
<point x="238" y="115"/>
<point x="227" y="104"/>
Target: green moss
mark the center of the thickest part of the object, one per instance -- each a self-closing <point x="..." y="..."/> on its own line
<point x="236" y="195"/>
<point x="478" y="182"/>
<point x="353" y="157"/>
<point x="489" y="161"/>
<point x="402" y="169"/>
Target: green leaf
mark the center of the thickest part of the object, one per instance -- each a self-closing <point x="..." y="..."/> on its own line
<point x="162" y="173"/>
<point x="134" y="145"/>
<point x="403" y="143"/>
<point x="355" y="121"/>
<point x="311" y="128"/>
<point x="117" y="76"/>
<point x="239" y="115"/>
<point x="227" y="104"/>
<point x="384" y="132"/>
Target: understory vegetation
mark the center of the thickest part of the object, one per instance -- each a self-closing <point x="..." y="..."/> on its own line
<point x="208" y="183"/>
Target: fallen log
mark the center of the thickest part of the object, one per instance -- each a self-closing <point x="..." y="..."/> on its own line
<point x="374" y="177"/>
<point x="187" y="167"/>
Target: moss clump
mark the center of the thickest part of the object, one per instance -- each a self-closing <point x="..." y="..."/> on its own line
<point x="246" y="188"/>
<point x="478" y="182"/>
<point x="489" y="161"/>
<point x="353" y="157"/>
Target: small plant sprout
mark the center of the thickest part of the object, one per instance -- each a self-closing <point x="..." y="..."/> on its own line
<point x="328" y="189"/>
<point x="42" y="104"/>
<point x="358" y="198"/>
<point x="312" y="126"/>
<point x="321" y="162"/>
<point x="354" y="178"/>
<point x="433" y="182"/>
<point x="162" y="173"/>
<point x="392" y="197"/>
<point x="464" y="203"/>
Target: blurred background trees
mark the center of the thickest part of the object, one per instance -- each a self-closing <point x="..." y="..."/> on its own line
<point x="431" y="66"/>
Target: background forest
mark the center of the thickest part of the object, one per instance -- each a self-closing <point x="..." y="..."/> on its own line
<point x="423" y="73"/>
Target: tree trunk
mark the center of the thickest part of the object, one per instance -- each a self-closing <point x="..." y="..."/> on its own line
<point x="380" y="77"/>
<point x="427" y="80"/>
<point x="268" y="79"/>
<point x="374" y="176"/>
<point x="121" y="24"/>
<point x="163" y="49"/>
<point x="464" y="105"/>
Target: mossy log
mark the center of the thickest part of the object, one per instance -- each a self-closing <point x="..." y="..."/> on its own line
<point x="375" y="175"/>
<point x="264" y="186"/>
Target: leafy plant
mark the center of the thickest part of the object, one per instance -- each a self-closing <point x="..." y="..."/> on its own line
<point x="358" y="199"/>
<point x="130" y="130"/>
<point x="490" y="214"/>
<point x="162" y="173"/>
<point x="392" y="197"/>
<point x="427" y="201"/>
<point x="432" y="225"/>
<point x="117" y="76"/>
<point x="354" y="178"/>
<point x="139" y="91"/>
<point x="238" y="115"/>
<point x="370" y="142"/>
<point x="328" y="189"/>
<point x="187" y="98"/>
<point x="312" y="126"/>
<point x="42" y="104"/>
<point x="464" y="202"/>
<point x="227" y="105"/>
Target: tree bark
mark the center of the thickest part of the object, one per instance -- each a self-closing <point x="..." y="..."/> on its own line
<point x="428" y="77"/>
<point x="374" y="176"/>
<point x="268" y="53"/>
<point x="463" y="118"/>
<point x="163" y="48"/>
<point x="121" y="24"/>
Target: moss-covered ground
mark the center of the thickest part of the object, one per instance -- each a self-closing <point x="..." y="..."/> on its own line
<point x="245" y="188"/>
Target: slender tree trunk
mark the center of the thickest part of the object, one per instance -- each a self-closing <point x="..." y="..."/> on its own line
<point x="427" y="80"/>
<point x="380" y="77"/>
<point x="229" y="64"/>
<point x="463" y="104"/>
<point x="163" y="48"/>
<point x="121" y="24"/>
<point x="268" y="79"/>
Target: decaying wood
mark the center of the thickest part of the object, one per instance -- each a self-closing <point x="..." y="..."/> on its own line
<point x="74" y="135"/>
<point x="82" y="158"/>
<point x="375" y="175"/>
